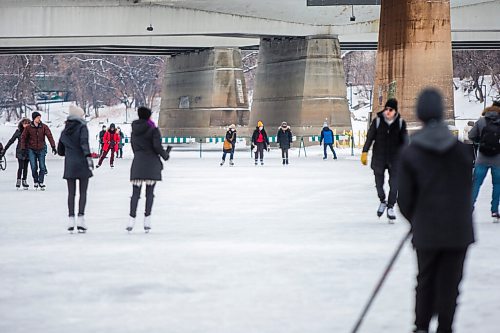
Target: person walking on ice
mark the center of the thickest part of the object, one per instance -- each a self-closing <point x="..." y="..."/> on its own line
<point x="229" y="145"/>
<point x="435" y="197"/>
<point x="78" y="164"/>
<point x="111" y="139"/>
<point x="388" y="131"/>
<point x="260" y="142"/>
<point x="284" y="139"/>
<point x="21" y="154"/>
<point x="33" y="139"/>
<point x="326" y="138"/>
<point x="146" y="166"/>
<point x="486" y="133"/>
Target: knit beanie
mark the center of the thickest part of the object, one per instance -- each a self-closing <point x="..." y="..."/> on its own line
<point x="260" y="123"/>
<point x="35" y="114"/>
<point x="325" y="124"/>
<point x="430" y="105"/>
<point x="144" y="112"/>
<point x="75" y="111"/>
<point x="392" y="103"/>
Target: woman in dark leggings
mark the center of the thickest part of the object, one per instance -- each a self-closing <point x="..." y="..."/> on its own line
<point x="21" y="154"/>
<point x="146" y="165"/>
<point x="74" y="145"/>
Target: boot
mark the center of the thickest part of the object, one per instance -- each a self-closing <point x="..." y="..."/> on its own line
<point x="71" y="223"/>
<point x="18" y="183"/>
<point x="381" y="208"/>
<point x="284" y="162"/>
<point x="147" y="223"/>
<point x="25" y="184"/>
<point x="131" y="223"/>
<point x="80" y="224"/>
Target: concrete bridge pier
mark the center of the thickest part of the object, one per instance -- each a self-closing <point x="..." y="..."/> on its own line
<point x="300" y="80"/>
<point x="414" y="52"/>
<point x="203" y="92"/>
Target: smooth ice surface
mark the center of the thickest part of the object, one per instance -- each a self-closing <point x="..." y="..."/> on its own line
<point x="233" y="249"/>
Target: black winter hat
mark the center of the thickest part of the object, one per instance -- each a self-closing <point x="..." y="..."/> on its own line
<point x="144" y="112"/>
<point x="392" y="103"/>
<point x="112" y="126"/>
<point x="496" y="103"/>
<point x="35" y="114"/>
<point x="430" y="105"/>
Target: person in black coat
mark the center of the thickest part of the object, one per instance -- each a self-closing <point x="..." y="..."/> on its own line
<point x="74" y="146"/>
<point x="260" y="142"/>
<point x="21" y="154"/>
<point x="284" y="139"/>
<point x="388" y="130"/>
<point x="229" y="145"/>
<point x="435" y="197"/>
<point x="101" y="138"/>
<point x="146" y="166"/>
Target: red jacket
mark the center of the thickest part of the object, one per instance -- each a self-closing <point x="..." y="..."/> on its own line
<point x="111" y="140"/>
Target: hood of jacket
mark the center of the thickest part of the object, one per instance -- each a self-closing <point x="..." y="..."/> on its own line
<point x="491" y="110"/>
<point x="434" y="136"/>
<point x="140" y="126"/>
<point x="287" y="128"/>
<point x="72" y="123"/>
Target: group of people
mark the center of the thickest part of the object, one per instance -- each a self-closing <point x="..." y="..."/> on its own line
<point x="260" y="142"/>
<point x="110" y="140"/>
<point x="435" y="181"/>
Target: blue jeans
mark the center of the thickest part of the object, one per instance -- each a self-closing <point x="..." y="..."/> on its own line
<point x="37" y="159"/>
<point x="230" y="156"/>
<point x="480" y="172"/>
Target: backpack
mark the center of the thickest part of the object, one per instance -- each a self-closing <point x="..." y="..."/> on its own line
<point x="489" y="142"/>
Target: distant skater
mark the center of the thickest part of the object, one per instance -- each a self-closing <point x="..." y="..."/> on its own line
<point x="284" y="138"/>
<point x="260" y="142"/>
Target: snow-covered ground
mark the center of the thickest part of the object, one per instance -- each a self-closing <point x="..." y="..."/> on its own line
<point x="244" y="249"/>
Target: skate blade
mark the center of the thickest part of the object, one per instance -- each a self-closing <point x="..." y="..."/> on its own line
<point x="147" y="230"/>
<point x="496" y="220"/>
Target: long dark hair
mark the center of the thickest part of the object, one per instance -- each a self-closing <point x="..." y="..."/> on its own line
<point x="23" y="121"/>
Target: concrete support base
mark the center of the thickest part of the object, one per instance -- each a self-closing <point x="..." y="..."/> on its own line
<point x="414" y="52"/>
<point x="203" y="93"/>
<point x="301" y="81"/>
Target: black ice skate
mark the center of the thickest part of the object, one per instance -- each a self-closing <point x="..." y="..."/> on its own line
<point x="18" y="183"/>
<point x="42" y="186"/>
<point x="25" y="184"/>
<point x="495" y="216"/>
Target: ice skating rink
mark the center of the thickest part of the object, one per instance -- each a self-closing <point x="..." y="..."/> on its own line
<point x="241" y="249"/>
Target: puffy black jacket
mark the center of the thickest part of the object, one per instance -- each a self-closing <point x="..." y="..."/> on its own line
<point x="284" y="138"/>
<point x="21" y="154"/>
<point x="147" y="148"/>
<point x="74" y="145"/>
<point x="389" y="140"/>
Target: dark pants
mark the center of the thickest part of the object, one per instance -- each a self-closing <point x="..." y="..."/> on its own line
<point x="136" y="195"/>
<point x="439" y="275"/>
<point x="393" y="185"/>
<point x="231" y="154"/>
<point x="120" y="153"/>
<point x="84" y="184"/>
<point x="22" y="169"/>
<point x="331" y="148"/>
<point x="103" y="156"/>
<point x="260" y="151"/>
<point x="284" y="154"/>
<point x="37" y="160"/>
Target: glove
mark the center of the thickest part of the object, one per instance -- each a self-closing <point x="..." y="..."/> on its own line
<point x="364" y="158"/>
<point x="90" y="163"/>
<point x="2" y="153"/>
<point x="169" y="148"/>
<point x="54" y="150"/>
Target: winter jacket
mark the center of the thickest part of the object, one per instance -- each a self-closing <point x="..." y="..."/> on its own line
<point x="147" y="148"/>
<point x="491" y="113"/>
<point x="33" y="137"/>
<point x="231" y="137"/>
<point x="326" y="135"/>
<point x="122" y="137"/>
<point x="21" y="154"/>
<point x="74" y="145"/>
<point x="389" y="140"/>
<point x="101" y="136"/>
<point x="284" y="138"/>
<point x="255" y="136"/>
<point x="434" y="189"/>
<point x="111" y="140"/>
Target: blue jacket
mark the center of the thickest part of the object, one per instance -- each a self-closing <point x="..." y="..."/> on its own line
<point x="327" y="135"/>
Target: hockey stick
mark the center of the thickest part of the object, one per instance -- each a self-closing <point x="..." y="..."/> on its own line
<point x="381" y="281"/>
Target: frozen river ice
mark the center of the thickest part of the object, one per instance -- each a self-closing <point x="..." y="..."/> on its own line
<point x="233" y="250"/>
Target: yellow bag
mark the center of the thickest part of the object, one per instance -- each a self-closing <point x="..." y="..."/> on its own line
<point x="227" y="145"/>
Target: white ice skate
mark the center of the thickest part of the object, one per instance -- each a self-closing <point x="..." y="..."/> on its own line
<point x="381" y="209"/>
<point x="80" y="224"/>
<point x="391" y="216"/>
<point x="131" y="223"/>
<point x="71" y="224"/>
<point x="147" y="223"/>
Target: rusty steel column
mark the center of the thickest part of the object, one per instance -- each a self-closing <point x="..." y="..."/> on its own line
<point x="414" y="52"/>
<point x="203" y="92"/>
<point x="300" y="80"/>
